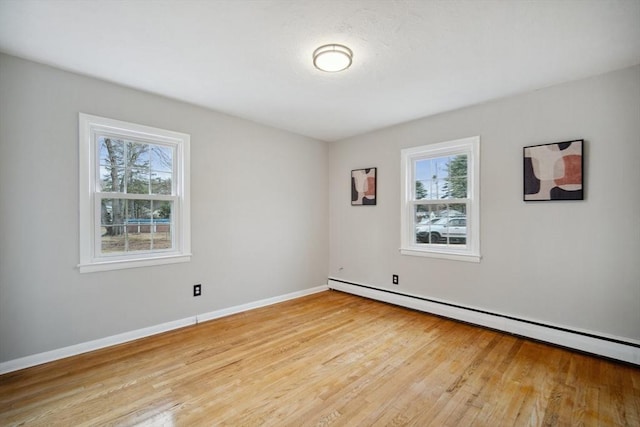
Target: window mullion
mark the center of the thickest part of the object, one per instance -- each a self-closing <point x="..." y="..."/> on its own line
<point x="97" y="225"/>
<point x="161" y="197"/>
<point x="126" y="166"/>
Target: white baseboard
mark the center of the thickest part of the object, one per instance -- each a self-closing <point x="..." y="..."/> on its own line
<point x="257" y="304"/>
<point x="73" y="350"/>
<point x="587" y="341"/>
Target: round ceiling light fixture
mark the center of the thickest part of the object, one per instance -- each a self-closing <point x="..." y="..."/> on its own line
<point x="332" y="58"/>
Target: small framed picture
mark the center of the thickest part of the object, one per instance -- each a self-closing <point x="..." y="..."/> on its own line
<point x="554" y="171"/>
<point x="363" y="187"/>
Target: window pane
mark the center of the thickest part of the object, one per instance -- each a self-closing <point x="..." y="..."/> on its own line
<point x="138" y="210"/>
<point x="425" y="215"/>
<point x="162" y="236"/>
<point x="110" y="151"/>
<point x="113" y="238"/>
<point x="138" y="240"/>
<point x="139" y="225"/>
<point x="111" y="179"/>
<point x="456" y="225"/>
<point x="456" y="180"/>
<point x="138" y="181"/>
<point x="111" y="164"/>
<point x="431" y="178"/>
<point x="162" y="211"/>
<point x="161" y="183"/>
<point x="134" y="168"/>
<point x="441" y="224"/>
<point x="426" y="180"/>
<point x="162" y="229"/>
<point x="112" y="212"/>
<point x="452" y="210"/>
<point x="161" y="158"/>
<point x="137" y="155"/>
<point x="149" y="225"/>
<point x="137" y="167"/>
<point x="441" y="178"/>
<point x="136" y="225"/>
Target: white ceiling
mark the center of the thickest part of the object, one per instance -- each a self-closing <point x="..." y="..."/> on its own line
<point x="252" y="59"/>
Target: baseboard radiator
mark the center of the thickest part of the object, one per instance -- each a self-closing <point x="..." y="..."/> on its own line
<point x="585" y="341"/>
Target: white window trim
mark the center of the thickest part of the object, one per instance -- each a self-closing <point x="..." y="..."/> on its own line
<point x="471" y="251"/>
<point x="90" y="214"/>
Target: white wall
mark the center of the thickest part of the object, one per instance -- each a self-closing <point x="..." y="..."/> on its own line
<point x="573" y="264"/>
<point x="259" y="214"/>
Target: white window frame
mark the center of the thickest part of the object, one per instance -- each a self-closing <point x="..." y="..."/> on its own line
<point x="91" y="260"/>
<point x="409" y="156"/>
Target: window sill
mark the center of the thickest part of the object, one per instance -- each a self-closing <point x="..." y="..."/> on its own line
<point x="132" y="263"/>
<point x="455" y="256"/>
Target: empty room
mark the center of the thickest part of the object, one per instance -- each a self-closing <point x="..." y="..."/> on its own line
<point x="319" y="212"/>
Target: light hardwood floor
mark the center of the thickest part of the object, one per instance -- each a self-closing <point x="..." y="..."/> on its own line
<point x="326" y="359"/>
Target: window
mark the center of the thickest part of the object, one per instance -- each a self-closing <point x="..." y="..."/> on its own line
<point x="134" y="195"/>
<point x="440" y="200"/>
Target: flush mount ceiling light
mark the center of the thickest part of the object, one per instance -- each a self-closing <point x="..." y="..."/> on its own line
<point x="332" y="58"/>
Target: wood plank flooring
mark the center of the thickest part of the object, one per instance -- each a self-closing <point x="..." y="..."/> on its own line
<point x="326" y="359"/>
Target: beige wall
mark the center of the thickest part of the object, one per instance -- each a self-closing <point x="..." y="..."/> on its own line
<point x="574" y="264"/>
<point x="259" y="214"/>
<point x="265" y="203"/>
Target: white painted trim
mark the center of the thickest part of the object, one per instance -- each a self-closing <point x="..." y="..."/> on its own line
<point x="132" y="263"/>
<point x="257" y="304"/>
<point x="408" y="156"/>
<point x="442" y="254"/>
<point x="505" y="323"/>
<point x="73" y="350"/>
<point x="91" y="259"/>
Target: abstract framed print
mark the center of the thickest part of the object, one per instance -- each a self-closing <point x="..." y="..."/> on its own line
<point x="363" y="187"/>
<point x="554" y="171"/>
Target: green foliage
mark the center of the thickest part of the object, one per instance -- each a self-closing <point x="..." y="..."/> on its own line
<point x="456" y="181"/>
<point x="421" y="192"/>
<point x="165" y="210"/>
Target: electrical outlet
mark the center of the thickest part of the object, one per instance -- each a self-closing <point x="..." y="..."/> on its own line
<point x="197" y="290"/>
<point x="396" y="280"/>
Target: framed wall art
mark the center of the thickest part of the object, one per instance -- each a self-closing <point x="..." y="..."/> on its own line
<point x="554" y="171"/>
<point x="363" y="187"/>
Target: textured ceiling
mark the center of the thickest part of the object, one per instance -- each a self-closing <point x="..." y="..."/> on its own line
<point x="252" y="59"/>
